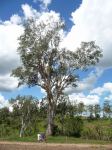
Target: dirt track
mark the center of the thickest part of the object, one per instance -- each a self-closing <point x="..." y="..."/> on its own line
<point x="46" y="146"/>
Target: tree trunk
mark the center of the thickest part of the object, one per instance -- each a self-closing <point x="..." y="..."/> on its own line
<point x="21" y="132"/>
<point x="22" y="128"/>
<point x="50" y="118"/>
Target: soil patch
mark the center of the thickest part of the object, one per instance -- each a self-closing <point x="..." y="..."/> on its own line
<point x="47" y="146"/>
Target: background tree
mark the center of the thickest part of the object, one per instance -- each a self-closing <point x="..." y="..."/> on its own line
<point x="81" y="108"/>
<point x="107" y="109"/>
<point x="5" y="121"/>
<point x="25" y="110"/>
<point x="97" y="110"/>
<point x="46" y="65"/>
<point x="91" y="111"/>
<point x="73" y="125"/>
<point x="62" y="110"/>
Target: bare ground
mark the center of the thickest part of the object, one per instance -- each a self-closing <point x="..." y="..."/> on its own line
<point x="47" y="146"/>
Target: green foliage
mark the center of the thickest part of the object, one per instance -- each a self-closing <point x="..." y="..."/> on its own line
<point x="98" y="130"/>
<point x="73" y="126"/>
<point x="68" y="121"/>
<point x="47" y="65"/>
<point x="107" y="109"/>
<point x="92" y="133"/>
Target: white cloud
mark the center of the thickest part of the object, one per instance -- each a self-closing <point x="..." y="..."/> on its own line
<point x="98" y="91"/>
<point x="43" y="91"/>
<point x="106" y="88"/>
<point x="15" y="19"/>
<point x="10" y="30"/>
<point x="109" y="97"/>
<point x="87" y="100"/>
<point x="3" y="102"/>
<point x="8" y="83"/>
<point x="29" y="12"/>
<point x="44" y="4"/>
<point x="86" y="84"/>
<point x="92" y="21"/>
<point x="94" y="95"/>
<point x="9" y="33"/>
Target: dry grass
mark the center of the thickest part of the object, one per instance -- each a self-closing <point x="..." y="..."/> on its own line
<point x="46" y="146"/>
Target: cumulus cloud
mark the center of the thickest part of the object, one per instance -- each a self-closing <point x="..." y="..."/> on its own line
<point x="29" y="12"/>
<point x="92" y="21"/>
<point x="109" y="97"/>
<point x="15" y="19"/>
<point x="8" y="83"/>
<point x="44" y="4"/>
<point x="3" y="102"/>
<point x="107" y="87"/>
<point x="94" y="95"/>
<point x="10" y="30"/>
<point x="87" y="100"/>
<point x="86" y="84"/>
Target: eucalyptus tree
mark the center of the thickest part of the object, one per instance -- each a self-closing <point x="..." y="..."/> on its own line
<point x="62" y="110"/>
<point x="81" y="108"/>
<point x="25" y="111"/>
<point x="45" y="64"/>
<point x="91" y="111"/>
<point x="97" y="111"/>
<point x="107" y="109"/>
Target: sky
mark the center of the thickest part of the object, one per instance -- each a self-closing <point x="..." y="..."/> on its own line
<point x="86" y="20"/>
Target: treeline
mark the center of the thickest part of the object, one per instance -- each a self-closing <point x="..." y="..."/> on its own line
<point x="27" y="116"/>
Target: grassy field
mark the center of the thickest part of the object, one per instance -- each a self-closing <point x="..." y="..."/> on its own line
<point x="56" y="139"/>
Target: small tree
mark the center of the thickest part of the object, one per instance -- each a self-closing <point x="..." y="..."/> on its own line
<point x="107" y="109"/>
<point x="73" y="126"/>
<point x="62" y="110"/>
<point x="91" y="111"/>
<point x="81" y="108"/>
<point x="25" y="109"/>
<point x="46" y="65"/>
<point x="97" y="111"/>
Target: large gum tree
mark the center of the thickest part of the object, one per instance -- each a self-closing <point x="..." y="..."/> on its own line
<point x="45" y="64"/>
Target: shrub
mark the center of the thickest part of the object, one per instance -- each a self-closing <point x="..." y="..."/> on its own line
<point x="73" y="126"/>
<point x="97" y="132"/>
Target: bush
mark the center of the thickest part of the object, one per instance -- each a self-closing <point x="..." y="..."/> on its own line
<point x="56" y="130"/>
<point x="73" y="126"/>
<point x="93" y="132"/>
<point x="97" y="132"/>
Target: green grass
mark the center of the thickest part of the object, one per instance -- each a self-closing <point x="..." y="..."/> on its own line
<point x="56" y="139"/>
<point x="18" y="139"/>
<point x="64" y="139"/>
